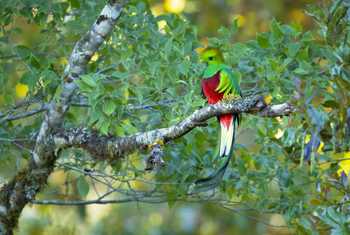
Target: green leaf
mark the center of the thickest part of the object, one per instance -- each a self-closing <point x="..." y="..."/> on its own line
<point x="276" y="30"/>
<point x="263" y="40"/>
<point x="303" y="54"/>
<point x="331" y="104"/>
<point x="328" y="216"/>
<point x="183" y="68"/>
<point x="119" y="75"/>
<point x="306" y="224"/>
<point x="168" y="47"/>
<point x="119" y="130"/>
<point x="83" y="86"/>
<point x="300" y="71"/>
<point x="307" y="37"/>
<point x="109" y="107"/>
<point x="103" y="125"/>
<point x="94" y="116"/>
<point x="82" y="186"/>
<point x="88" y="80"/>
<point x="291" y="31"/>
<point x="293" y="49"/>
<point x="74" y="3"/>
<point x="33" y="60"/>
<point x="30" y="79"/>
<point x="23" y="51"/>
<point x="303" y="69"/>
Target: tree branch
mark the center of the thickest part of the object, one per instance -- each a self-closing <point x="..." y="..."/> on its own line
<point x="82" y="52"/>
<point x="111" y="147"/>
<point x="233" y="206"/>
<point x="81" y="202"/>
<point x="28" y="182"/>
<point x="143" y="199"/>
<point x="24" y="114"/>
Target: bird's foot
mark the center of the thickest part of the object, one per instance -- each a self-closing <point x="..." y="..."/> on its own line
<point x="230" y="97"/>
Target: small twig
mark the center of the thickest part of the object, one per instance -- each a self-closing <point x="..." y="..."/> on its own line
<point x="254" y="91"/>
<point x="132" y="107"/>
<point x="22" y="147"/>
<point x="24" y="114"/>
<point x="237" y="211"/>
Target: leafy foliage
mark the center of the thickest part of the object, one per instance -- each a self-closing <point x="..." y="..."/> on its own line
<point x="147" y="77"/>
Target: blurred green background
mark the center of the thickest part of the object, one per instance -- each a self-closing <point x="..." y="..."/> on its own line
<point x="254" y="15"/>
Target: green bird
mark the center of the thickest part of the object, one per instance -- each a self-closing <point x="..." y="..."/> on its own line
<point x="219" y="83"/>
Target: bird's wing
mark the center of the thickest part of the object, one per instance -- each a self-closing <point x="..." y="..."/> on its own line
<point x="229" y="82"/>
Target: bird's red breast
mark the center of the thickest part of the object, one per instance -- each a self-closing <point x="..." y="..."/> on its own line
<point x="208" y="87"/>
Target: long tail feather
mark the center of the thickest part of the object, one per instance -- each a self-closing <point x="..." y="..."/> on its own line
<point x="226" y="146"/>
<point x="227" y="132"/>
<point x="223" y="139"/>
<point x="229" y="138"/>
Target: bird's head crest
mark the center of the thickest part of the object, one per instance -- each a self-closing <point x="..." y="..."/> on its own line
<point x="211" y="55"/>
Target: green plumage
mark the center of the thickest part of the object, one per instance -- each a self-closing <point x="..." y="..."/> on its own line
<point x="229" y="80"/>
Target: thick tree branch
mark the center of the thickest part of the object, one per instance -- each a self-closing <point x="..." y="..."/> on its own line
<point x="83" y="202"/>
<point x="277" y="110"/>
<point x="110" y="147"/>
<point x="27" y="183"/>
<point x="143" y="199"/>
<point x="82" y="52"/>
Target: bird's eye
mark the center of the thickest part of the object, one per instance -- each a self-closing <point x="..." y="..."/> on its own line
<point x="210" y="58"/>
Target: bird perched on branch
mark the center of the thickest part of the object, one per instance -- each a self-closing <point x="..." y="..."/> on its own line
<point x="220" y="83"/>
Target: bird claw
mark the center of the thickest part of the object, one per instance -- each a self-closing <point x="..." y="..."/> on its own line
<point x="230" y="97"/>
